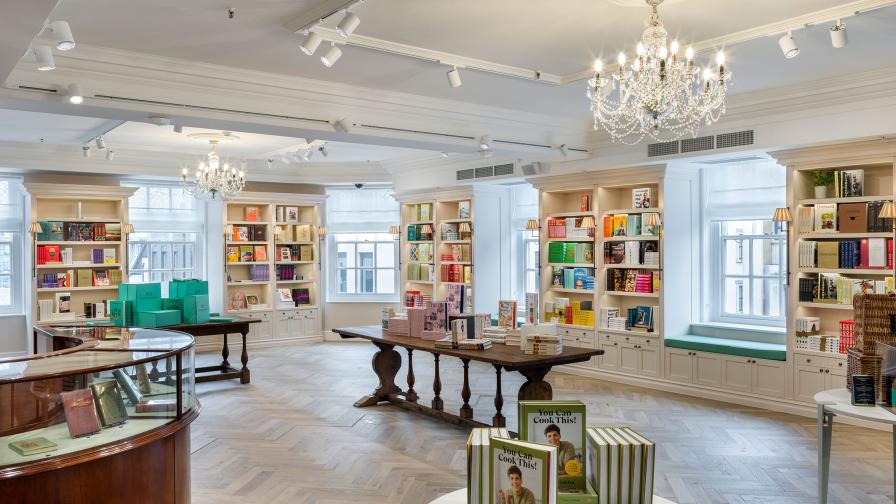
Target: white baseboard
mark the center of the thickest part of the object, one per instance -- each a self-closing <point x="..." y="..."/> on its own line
<point x="732" y="397"/>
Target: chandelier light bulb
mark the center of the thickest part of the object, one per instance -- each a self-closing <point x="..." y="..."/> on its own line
<point x="184" y="171"/>
<point x="621" y="59"/>
<point x="689" y="53"/>
<point x="720" y="58"/>
<point x="664" y="53"/>
<point x="598" y="65"/>
<point x="673" y="47"/>
<point x="707" y="74"/>
<point x="636" y="66"/>
<point x="641" y="50"/>
<point x="242" y="174"/>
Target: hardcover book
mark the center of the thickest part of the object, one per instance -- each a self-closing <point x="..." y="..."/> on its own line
<point x="560" y="424"/>
<point x="641" y="198"/>
<point x="826" y="218"/>
<point x="32" y="446"/>
<point x="292" y="214"/>
<point x="477" y="462"/>
<point x="507" y="314"/>
<point x="109" y="404"/>
<point x="520" y="471"/>
<point x="251" y="214"/>
<point x="128" y="386"/>
<point x="261" y="253"/>
<point x="156" y="406"/>
<point x="463" y="210"/>
<point x="80" y="412"/>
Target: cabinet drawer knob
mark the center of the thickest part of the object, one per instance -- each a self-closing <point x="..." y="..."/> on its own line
<point x="827" y="371"/>
<point x="821" y="370"/>
<point x="808" y="361"/>
<point x="840" y="364"/>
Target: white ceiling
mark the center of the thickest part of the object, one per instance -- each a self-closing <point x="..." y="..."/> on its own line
<point x="558" y="37"/>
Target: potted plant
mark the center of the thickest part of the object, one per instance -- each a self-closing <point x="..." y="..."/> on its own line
<point x="821" y="180"/>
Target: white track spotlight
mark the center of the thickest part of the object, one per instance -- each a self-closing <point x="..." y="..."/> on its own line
<point x="838" y="35"/>
<point x="178" y="128"/>
<point x="110" y="155"/>
<point x="159" y="120"/>
<point x="85" y="151"/>
<point x="348" y="24"/>
<point x="323" y="150"/>
<point x="100" y="142"/>
<point x="75" y="95"/>
<point x="788" y="46"/>
<point x="444" y="154"/>
<point x="454" y="78"/>
<point x="564" y="150"/>
<point x="485" y="142"/>
<point x="44" y="56"/>
<point x="343" y="125"/>
<point x="311" y="43"/>
<point x="270" y="163"/>
<point x="62" y="32"/>
<point x="332" y="56"/>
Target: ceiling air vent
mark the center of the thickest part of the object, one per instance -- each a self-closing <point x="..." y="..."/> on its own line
<point x="467" y="174"/>
<point x="736" y="139"/>
<point x="697" y="144"/>
<point x="485" y="171"/>
<point x="504" y="169"/>
<point x="662" y="149"/>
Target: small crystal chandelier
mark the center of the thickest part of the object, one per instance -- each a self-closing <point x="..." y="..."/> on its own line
<point x="214" y="178"/>
<point x="659" y="94"/>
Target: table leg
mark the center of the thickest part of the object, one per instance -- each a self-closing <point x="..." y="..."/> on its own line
<point x="498" y="420"/>
<point x="225" y="352"/>
<point x="244" y="358"/>
<point x="437" y="403"/>
<point x="411" y="394"/>
<point x="825" y="428"/>
<point x="386" y="363"/>
<point x="535" y="388"/>
<point x="466" y="411"/>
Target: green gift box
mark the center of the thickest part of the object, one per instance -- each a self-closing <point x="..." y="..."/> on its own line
<point x="158" y="318"/>
<point x="189" y="287"/>
<point x="196" y="309"/>
<point x="587" y="497"/>
<point x="120" y="313"/>
<point x="172" y="304"/>
<point x="145" y="297"/>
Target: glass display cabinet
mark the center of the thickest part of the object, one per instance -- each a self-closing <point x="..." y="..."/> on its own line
<point x="91" y="394"/>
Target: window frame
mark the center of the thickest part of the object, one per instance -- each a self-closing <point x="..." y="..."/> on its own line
<point x="718" y="276"/>
<point x="191" y="272"/>
<point x="333" y="295"/>
<point x="17" y="274"/>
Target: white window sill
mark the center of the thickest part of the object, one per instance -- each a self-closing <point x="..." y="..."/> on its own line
<point x="741" y="327"/>
<point x="364" y="300"/>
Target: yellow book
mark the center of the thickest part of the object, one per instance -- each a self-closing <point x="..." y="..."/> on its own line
<point x="233" y="254"/>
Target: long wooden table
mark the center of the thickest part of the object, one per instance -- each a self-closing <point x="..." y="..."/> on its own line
<point x="387" y="362"/>
<point x="223" y="371"/>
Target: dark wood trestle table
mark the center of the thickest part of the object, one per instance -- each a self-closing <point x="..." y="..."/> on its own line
<point x="387" y="363"/>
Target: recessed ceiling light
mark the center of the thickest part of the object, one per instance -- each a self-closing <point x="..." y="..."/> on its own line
<point x="788" y="46"/>
<point x="311" y="43"/>
<point x="332" y="56"/>
<point x="44" y="56"/>
<point x="838" y="35"/>
<point x="62" y="32"/>
<point x="74" y="93"/>
<point x="454" y="78"/>
<point x="485" y="142"/>
<point x="348" y="24"/>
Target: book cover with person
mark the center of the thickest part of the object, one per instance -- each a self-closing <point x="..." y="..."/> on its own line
<point x="560" y="424"/>
<point x="521" y="472"/>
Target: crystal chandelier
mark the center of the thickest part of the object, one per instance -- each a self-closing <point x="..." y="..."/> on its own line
<point x="213" y="178"/>
<point x="659" y="94"/>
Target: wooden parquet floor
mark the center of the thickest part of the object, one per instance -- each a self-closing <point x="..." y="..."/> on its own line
<point x="293" y="436"/>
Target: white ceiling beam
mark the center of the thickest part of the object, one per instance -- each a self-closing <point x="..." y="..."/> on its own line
<point x="311" y="17"/>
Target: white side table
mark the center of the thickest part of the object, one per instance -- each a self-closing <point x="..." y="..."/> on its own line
<point x="839" y="402"/>
<point x="460" y="497"/>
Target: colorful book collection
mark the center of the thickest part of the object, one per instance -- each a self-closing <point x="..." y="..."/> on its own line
<point x="260" y="273"/>
<point x="849" y="183"/>
<point x="422" y="252"/>
<point x="633" y="280"/>
<point x="247" y="253"/>
<point x="249" y="233"/>
<point x="78" y="231"/>
<point x="561" y="311"/>
<point x="458" y="252"/>
<point x="559" y="458"/>
<point x="289" y="253"/>
<point x="833" y="288"/>
<point x="287" y="214"/>
<point x="79" y="278"/>
<point x="568" y="228"/>
<point x="456" y="273"/>
<point x="636" y="319"/>
<point x="572" y="278"/>
<point x="420" y="272"/>
<point x="288" y="272"/>
<point x="843" y="218"/>
<point x="867" y="253"/>
<point x="415" y="232"/>
<point x="449" y="231"/>
<point x="292" y="233"/>
<point x="635" y="253"/>
<point x="416" y="298"/>
<point x="422" y="212"/>
<point x="629" y="225"/>
<point x="562" y="252"/>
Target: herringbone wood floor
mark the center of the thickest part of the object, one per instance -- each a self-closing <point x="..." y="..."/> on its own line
<point x="293" y="436"/>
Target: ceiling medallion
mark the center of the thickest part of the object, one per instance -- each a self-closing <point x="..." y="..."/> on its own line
<point x="659" y="94"/>
<point x="213" y="178"/>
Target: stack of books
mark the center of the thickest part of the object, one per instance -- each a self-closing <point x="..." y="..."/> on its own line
<point x="569" y="227"/>
<point x="495" y="334"/>
<point x="422" y="252"/>
<point x="419" y="271"/>
<point x="617" y="323"/>
<point x="284" y="271"/>
<point x="544" y="345"/>
<point x="564" y="252"/>
<point x="572" y="278"/>
<point x="513" y="338"/>
<point x="620" y="464"/>
<point x="261" y="273"/>
<point x="463" y="344"/>
<point x="398" y="324"/>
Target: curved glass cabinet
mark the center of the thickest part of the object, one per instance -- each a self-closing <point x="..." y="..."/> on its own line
<point x="92" y="388"/>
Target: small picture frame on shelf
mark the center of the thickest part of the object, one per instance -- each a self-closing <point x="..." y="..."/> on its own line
<point x="292" y="215"/>
<point x="251" y="300"/>
<point x="284" y="296"/>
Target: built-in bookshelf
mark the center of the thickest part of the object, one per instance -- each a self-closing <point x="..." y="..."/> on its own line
<point x="78" y="249"/>
<point x="272" y="264"/>
<point x="837" y="240"/>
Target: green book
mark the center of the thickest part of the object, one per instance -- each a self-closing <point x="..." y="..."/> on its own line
<point x="32" y="446"/>
<point x="555" y="252"/>
<point x="562" y="425"/>
<point x="477" y="462"/>
<point x="526" y="471"/>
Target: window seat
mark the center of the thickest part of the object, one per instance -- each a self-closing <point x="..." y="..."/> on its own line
<point x="756" y="349"/>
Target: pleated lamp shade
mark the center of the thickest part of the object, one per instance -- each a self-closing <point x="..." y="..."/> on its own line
<point x="394" y="230"/>
<point x="464" y="227"/>
<point x="653" y="219"/>
<point x="35" y="228"/>
<point x="888" y="211"/>
<point x="127" y="228"/>
<point x="532" y="225"/>
<point x="587" y="222"/>
<point x="782" y="215"/>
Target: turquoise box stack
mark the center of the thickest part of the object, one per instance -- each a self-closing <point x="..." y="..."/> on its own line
<point x="142" y="305"/>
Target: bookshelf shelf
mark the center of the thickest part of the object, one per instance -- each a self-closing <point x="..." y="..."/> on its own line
<point x="570" y="240"/>
<point x="579" y="213"/>
<point x="825" y="306"/>
<point x="841" y="236"/>
<point x="851" y="199"/>
<point x="632" y="294"/>
<point x="77" y="266"/>
<point x="589" y="292"/>
<point x="294" y="243"/>
<point x="848" y="271"/>
<point x="419" y="223"/>
<point x="83" y="220"/>
<point x="817" y="353"/>
<point x="465" y="263"/>
<point x="89" y="288"/>
<point x="573" y="265"/>
<point x="245" y="263"/>
<point x="297" y="223"/>
<point x="247" y="223"/>
<point x="294" y="262"/>
<point x="422" y="282"/>
<point x="260" y="282"/>
<point x="294" y="281"/>
<point x="85" y="243"/>
<point x="632" y="238"/>
<point x="631" y="211"/>
<point x="455" y="221"/>
<point x="454" y="283"/>
<point x="459" y="242"/>
<point x="238" y="243"/>
<point x="631" y="266"/>
<point x="625" y="332"/>
<point x="418" y="241"/>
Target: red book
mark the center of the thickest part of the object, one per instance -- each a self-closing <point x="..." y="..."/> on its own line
<point x="156" y="406"/>
<point x="53" y="254"/>
<point x="80" y="412"/>
<point x="863" y="253"/>
<point x="889" y="254"/>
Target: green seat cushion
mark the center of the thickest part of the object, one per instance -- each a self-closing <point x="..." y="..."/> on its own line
<point x="758" y="350"/>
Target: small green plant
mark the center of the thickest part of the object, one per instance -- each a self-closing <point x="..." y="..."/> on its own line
<point x="822" y="178"/>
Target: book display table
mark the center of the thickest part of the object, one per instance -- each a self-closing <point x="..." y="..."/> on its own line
<point x="85" y="421"/>
<point x="224" y="371"/>
<point x="839" y="402"/>
<point x="460" y="497"/>
<point x="387" y="362"/>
